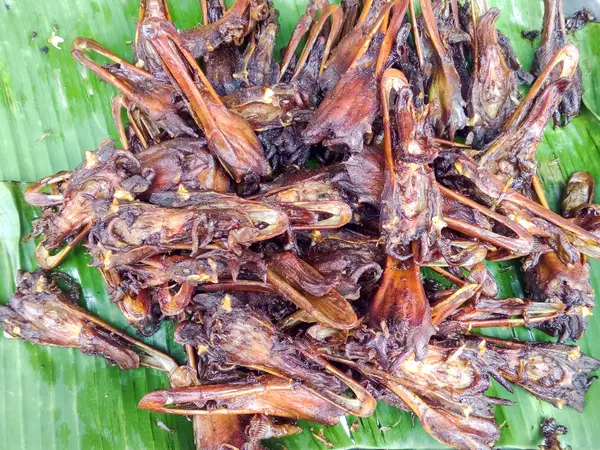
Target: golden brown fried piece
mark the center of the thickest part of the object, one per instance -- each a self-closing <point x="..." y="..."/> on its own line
<point x="401" y="310"/>
<point x="445" y="87"/>
<point x="557" y="374"/>
<point x="512" y="156"/>
<point x="154" y="97"/>
<point x="562" y="274"/>
<point x="181" y="162"/>
<point x="494" y="94"/>
<point x="183" y="221"/>
<point x="411" y="203"/>
<point x="228" y="136"/>
<point x="232" y="27"/>
<point x="551" y="280"/>
<point x="257" y="66"/>
<point x="304" y="286"/>
<point x="446" y="390"/>
<point x="310" y="199"/>
<point x="340" y="119"/>
<point x="143" y="52"/>
<point x="351" y="260"/>
<point x="265" y="108"/>
<point x="42" y="313"/>
<point x="354" y="44"/>
<point x="241" y="336"/>
<point x="554" y="37"/>
<point x="479" y="183"/>
<point x="467" y="432"/>
<point x="485" y="312"/>
<point x="69" y="214"/>
<point x="268" y="394"/>
<point x="365" y="172"/>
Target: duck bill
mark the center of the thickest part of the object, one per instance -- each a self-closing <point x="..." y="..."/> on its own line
<point x="31" y="315"/>
<point x="292" y="278"/>
<point x="35" y="197"/>
<point x="567" y="59"/>
<point x="321" y="215"/>
<point x="337" y="15"/>
<point x="229" y="137"/>
<point x="268" y="395"/>
<point x="442" y="310"/>
<point x="451" y="429"/>
<point x="400" y="303"/>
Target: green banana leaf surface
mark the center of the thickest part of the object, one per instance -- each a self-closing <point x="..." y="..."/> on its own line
<point x="52" y="110"/>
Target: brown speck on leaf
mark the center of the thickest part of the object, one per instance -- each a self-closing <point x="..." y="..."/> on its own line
<point x="321" y="437"/>
<point x="530" y="35"/>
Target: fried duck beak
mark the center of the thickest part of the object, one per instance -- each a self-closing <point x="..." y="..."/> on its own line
<point x="42" y="313"/>
<point x="554" y="38"/>
<point x="494" y="93"/>
<point x="248" y="339"/>
<point x="444" y="92"/>
<point x="446" y="391"/>
<point x="306" y="288"/>
<point x="400" y="306"/>
<point x="229" y="137"/>
<point x="155" y="98"/>
<point x="97" y="180"/>
<point x="558" y="374"/>
<point x="268" y="395"/>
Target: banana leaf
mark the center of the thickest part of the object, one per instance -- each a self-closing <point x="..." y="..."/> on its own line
<point x="51" y="111"/>
<point x="589" y="59"/>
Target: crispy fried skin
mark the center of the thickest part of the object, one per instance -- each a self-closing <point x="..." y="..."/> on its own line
<point x="342" y="120"/>
<point x="245" y="337"/>
<point x="137" y="230"/>
<point x="554" y="37"/>
<point x="228" y="136"/>
<point x="42" y="313"/>
<point x="411" y="203"/>
<point x="181" y="162"/>
<point x="352" y="261"/>
<point x="445" y="95"/>
<point x="264" y="395"/>
<point x="558" y="374"/>
<point x="551" y="431"/>
<point x="551" y="280"/>
<point x="232" y="27"/>
<point x="494" y="93"/>
<point x="401" y="309"/>
<point x="95" y="180"/>
<point x="512" y="156"/>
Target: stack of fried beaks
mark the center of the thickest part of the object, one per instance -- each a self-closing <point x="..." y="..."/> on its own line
<point x="287" y="210"/>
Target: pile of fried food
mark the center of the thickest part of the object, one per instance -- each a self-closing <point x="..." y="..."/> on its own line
<point x="281" y="212"/>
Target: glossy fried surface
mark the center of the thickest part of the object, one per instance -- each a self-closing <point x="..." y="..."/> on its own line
<point x="286" y="215"/>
